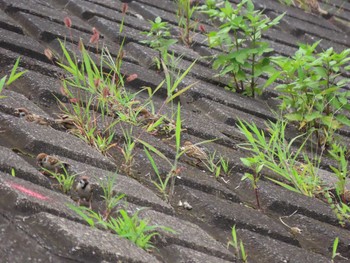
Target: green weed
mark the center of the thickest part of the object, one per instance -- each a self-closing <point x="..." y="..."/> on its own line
<point x="159" y="38"/>
<point x="312" y="92"/>
<point x="135" y="229"/>
<point x="277" y="155"/>
<point x="162" y="184"/>
<point x="110" y="198"/>
<point x="13" y="76"/>
<point x="65" y="180"/>
<point x="244" y="49"/>
<point x="128" y="150"/>
<point x="132" y="228"/>
<point x="238" y="246"/>
<point x="185" y="11"/>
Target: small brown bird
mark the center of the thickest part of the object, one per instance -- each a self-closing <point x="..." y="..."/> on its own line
<point x="310" y="5"/>
<point x="50" y="162"/>
<point x="194" y="151"/>
<point x="31" y="117"/>
<point x="66" y="121"/>
<point x="84" y="190"/>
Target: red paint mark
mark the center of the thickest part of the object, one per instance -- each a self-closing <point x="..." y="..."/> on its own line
<point x="28" y="191"/>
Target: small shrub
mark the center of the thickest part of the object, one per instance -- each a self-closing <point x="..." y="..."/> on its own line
<point x="110" y="198"/>
<point x="65" y="180"/>
<point x="185" y="11"/>
<point x="312" y="90"/>
<point x="277" y="155"/>
<point x="159" y="39"/>
<point x="240" y="37"/>
<point x="134" y="228"/>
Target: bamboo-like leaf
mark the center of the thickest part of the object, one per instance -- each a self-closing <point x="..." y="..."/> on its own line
<point x="87" y="62"/>
<point x="153" y="163"/>
<point x="80" y="212"/>
<point x="181" y="91"/>
<point x="13" y="75"/>
<point x="286" y="186"/>
<point x="72" y="64"/>
<point x="183" y="75"/>
<point x="335" y="247"/>
<point x="153" y="149"/>
<point x="2" y="83"/>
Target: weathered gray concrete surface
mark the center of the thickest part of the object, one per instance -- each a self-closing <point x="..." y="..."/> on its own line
<point x="35" y="223"/>
<point x="267" y="252"/>
<point x="74" y="241"/>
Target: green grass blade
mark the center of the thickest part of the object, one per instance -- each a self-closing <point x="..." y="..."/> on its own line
<point x="153" y="149"/>
<point x="178" y="128"/>
<point x="2" y="83"/>
<point x="150" y="158"/>
<point x="183" y="75"/>
<point x="13" y="75"/>
<point x="180" y="92"/>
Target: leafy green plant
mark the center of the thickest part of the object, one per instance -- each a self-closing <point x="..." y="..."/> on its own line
<point x="224" y="164"/>
<point x="185" y="11"/>
<point x="92" y="218"/>
<point x="335" y="247"/>
<point x="216" y="165"/>
<point x="287" y="2"/>
<point x="110" y="198"/>
<point x="161" y="125"/>
<point x="65" y="180"/>
<point x="256" y="166"/>
<point x="162" y="184"/>
<point x="104" y="143"/>
<point x="243" y="50"/>
<point x="13" y="76"/>
<point x="133" y="228"/>
<point x="238" y="247"/>
<point x="277" y="155"/>
<point x="173" y="83"/>
<point x="343" y="213"/>
<point x="128" y="150"/>
<point x="338" y="153"/>
<point x="209" y="4"/>
<point x="287" y="164"/>
<point x="339" y="208"/>
<point x="164" y="123"/>
<point x="212" y="162"/>
<point x="159" y="39"/>
<point x="95" y="86"/>
<point x="98" y="97"/>
<point x="312" y="89"/>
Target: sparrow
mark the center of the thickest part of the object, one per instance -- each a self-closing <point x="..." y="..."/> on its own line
<point x="50" y="162"/>
<point x="31" y="117"/>
<point x="145" y="117"/>
<point x="194" y="151"/>
<point x="311" y="5"/>
<point x="66" y="121"/>
<point x="84" y="190"/>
